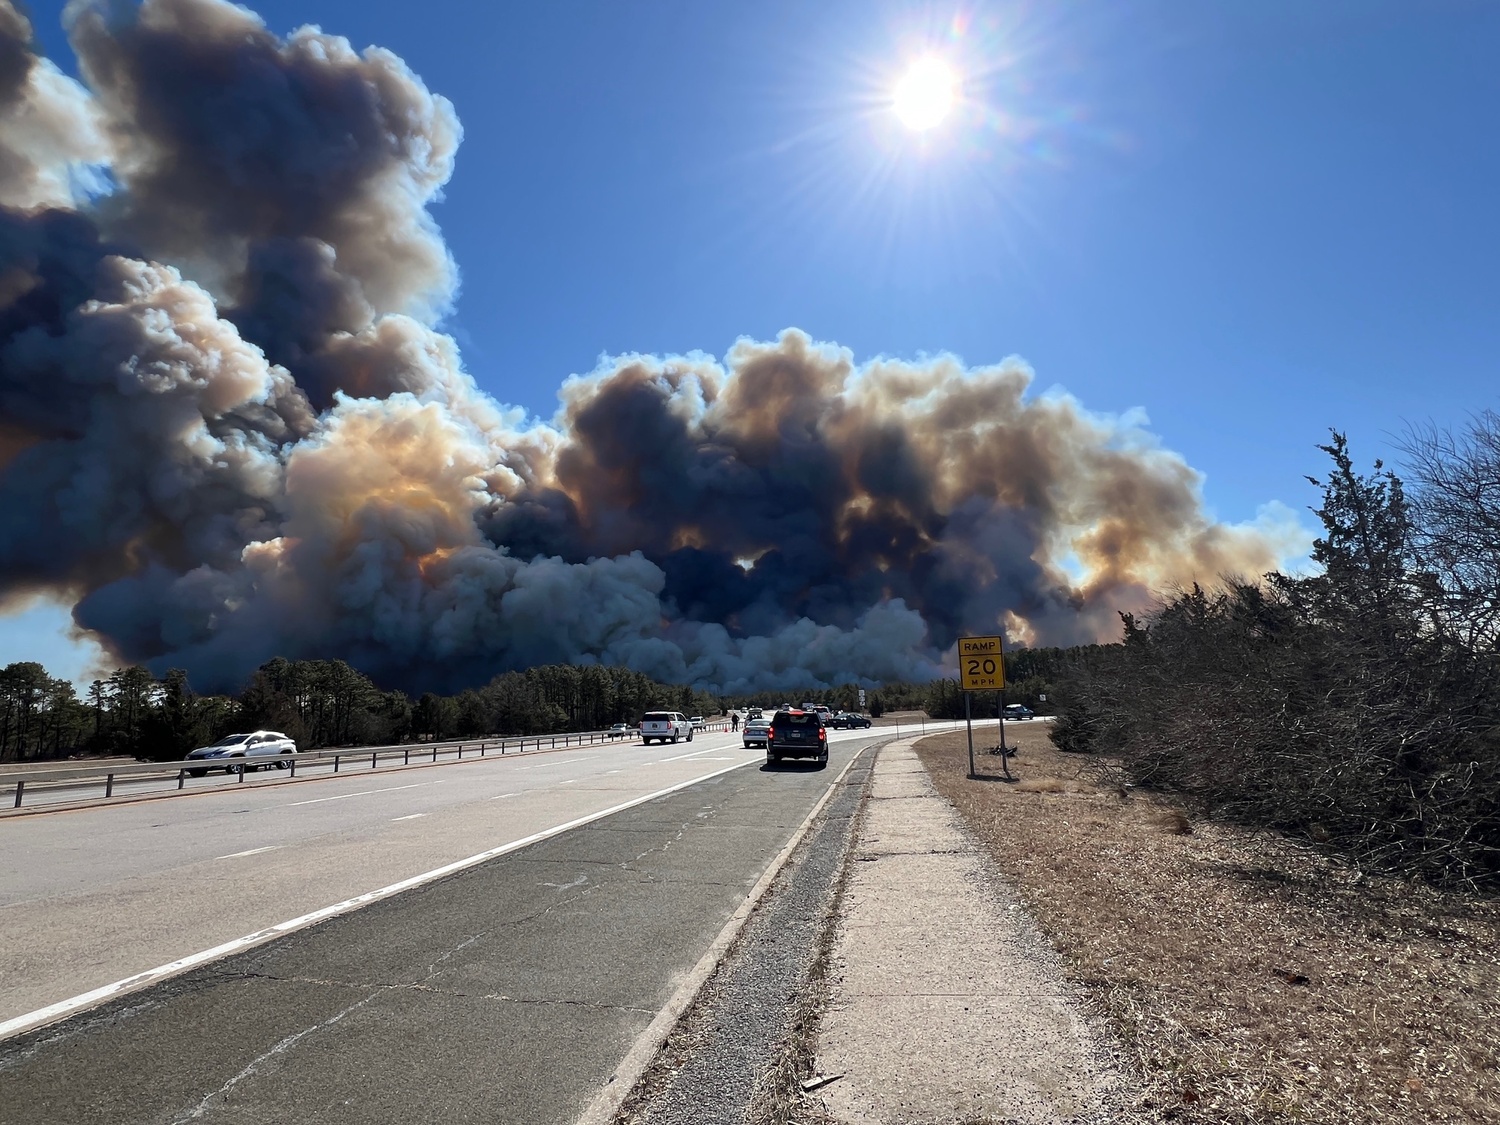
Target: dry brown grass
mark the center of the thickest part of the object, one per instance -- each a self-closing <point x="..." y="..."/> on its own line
<point x="1253" y="980"/>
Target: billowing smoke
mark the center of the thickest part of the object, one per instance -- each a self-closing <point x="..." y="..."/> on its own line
<point x="229" y="430"/>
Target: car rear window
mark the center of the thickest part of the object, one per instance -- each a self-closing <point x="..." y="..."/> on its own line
<point x="807" y="719"/>
<point x="657" y="717"/>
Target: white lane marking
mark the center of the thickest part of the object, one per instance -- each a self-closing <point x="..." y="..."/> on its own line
<point x="608" y="772"/>
<point x="570" y="781"/>
<point x="151" y="976"/>
<point x="252" y="851"/>
<point x="502" y="796"/>
<point x="412" y="816"/>
<point x="693" y="754"/>
<point x="361" y="793"/>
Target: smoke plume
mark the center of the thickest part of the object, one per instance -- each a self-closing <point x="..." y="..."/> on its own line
<point x="229" y="429"/>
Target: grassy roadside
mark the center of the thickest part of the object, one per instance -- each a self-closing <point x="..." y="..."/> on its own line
<point x="1252" y="979"/>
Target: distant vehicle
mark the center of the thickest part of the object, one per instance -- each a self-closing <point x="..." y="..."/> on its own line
<point x="665" y="726"/>
<point x="697" y="721"/>
<point x="233" y="752"/>
<point x="757" y="732"/>
<point x="619" y="730"/>
<point x="754" y="713"/>
<point x="1018" y="711"/>
<point x="848" y="720"/>
<point x="797" y="734"/>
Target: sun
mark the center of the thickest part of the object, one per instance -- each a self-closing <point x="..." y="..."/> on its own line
<point x="925" y="94"/>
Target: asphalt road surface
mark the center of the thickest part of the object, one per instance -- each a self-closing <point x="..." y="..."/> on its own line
<point x="505" y="991"/>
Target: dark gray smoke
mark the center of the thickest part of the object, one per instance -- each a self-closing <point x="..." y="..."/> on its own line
<point x="228" y="429"/>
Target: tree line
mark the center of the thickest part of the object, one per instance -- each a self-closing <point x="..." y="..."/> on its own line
<point x="328" y="703"/>
<point x="1358" y="706"/>
<point x="317" y="702"/>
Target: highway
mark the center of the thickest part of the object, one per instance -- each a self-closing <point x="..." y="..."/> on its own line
<point x="538" y="962"/>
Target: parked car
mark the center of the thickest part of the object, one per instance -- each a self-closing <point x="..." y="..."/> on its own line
<point x="665" y="726"/>
<point x="1018" y="711"/>
<point x="620" y="730"/>
<point x="236" y="751"/>
<point x="757" y="732"/>
<point x="697" y="721"/>
<point x="797" y="734"/>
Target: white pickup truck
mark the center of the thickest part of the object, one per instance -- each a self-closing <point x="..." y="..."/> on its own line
<point x="665" y="726"/>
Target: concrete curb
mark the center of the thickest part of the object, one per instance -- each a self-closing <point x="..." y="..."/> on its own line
<point x="607" y="1103"/>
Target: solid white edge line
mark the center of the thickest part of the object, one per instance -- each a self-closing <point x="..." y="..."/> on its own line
<point x="53" y="1012"/>
<point x="607" y="1102"/>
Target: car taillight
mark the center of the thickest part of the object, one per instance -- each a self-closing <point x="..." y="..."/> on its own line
<point x="822" y="733"/>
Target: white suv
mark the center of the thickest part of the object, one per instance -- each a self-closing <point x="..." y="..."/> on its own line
<point x="238" y="747"/>
<point x="665" y="726"/>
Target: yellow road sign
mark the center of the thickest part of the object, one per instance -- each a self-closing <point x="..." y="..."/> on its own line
<point x="981" y="663"/>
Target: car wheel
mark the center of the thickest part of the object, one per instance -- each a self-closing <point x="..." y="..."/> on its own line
<point x="282" y="763"/>
<point x="674" y="740"/>
<point x="690" y="736"/>
<point x="238" y="767"/>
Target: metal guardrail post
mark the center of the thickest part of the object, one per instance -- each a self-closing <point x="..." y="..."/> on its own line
<point x="109" y="785"/>
<point x="434" y="752"/>
<point x="372" y="760"/>
<point x="242" y="772"/>
<point x="292" y="764"/>
<point x="406" y="756"/>
<point x="181" y="777"/>
<point x="20" y="786"/>
<point x="460" y="751"/>
<point x="336" y="763"/>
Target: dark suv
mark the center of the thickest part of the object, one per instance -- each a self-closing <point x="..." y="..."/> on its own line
<point x="797" y="734"/>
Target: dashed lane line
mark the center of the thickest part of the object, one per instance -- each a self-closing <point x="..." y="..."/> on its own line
<point x="361" y="793"/>
<point x="93" y="997"/>
<point x="252" y="851"/>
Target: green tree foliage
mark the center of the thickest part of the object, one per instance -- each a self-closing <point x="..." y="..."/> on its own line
<point x="40" y="716"/>
<point x="1342" y="704"/>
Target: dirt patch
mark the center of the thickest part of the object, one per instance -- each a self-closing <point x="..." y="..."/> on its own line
<point x="1252" y="979"/>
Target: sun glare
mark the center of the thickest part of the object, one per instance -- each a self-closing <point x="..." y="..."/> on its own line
<point x="925" y="95"/>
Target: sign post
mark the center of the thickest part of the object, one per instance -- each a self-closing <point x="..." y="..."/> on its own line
<point x="981" y="667"/>
<point x="969" y="726"/>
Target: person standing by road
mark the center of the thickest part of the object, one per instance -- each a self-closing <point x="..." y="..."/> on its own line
<point x="734" y="721"/>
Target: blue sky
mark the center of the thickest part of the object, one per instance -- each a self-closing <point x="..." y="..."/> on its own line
<point x="1251" y="220"/>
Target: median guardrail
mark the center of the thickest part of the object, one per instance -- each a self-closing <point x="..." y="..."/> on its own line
<point x="357" y="756"/>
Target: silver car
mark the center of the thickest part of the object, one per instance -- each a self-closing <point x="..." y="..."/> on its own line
<point x="234" y="752"/>
<point x="757" y="731"/>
